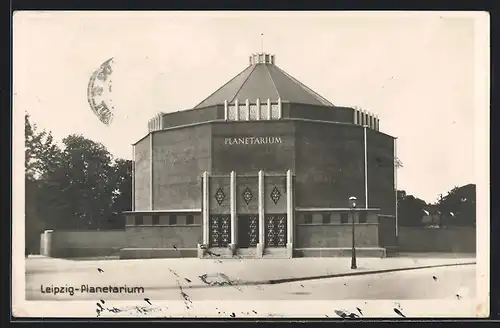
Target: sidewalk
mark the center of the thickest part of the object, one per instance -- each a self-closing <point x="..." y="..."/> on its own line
<point x="190" y="273"/>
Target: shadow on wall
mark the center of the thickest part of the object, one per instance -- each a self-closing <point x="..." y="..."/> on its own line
<point x="89" y="243"/>
<point x="450" y="239"/>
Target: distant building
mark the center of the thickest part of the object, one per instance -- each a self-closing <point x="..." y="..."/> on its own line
<point x="263" y="167"/>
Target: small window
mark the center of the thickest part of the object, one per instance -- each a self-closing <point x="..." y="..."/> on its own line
<point x="189" y="219"/>
<point x="326" y="218"/>
<point x="344" y="218"/>
<point x="172" y="219"/>
<point x="139" y="220"/>
<point x="308" y="218"/>
<point x="362" y="217"/>
<point x="156" y="219"/>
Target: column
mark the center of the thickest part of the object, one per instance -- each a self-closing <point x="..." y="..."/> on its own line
<point x="232" y="209"/>
<point x="205" y="207"/>
<point x="396" y="184"/>
<point x="366" y="167"/>
<point x="290" y="212"/>
<point x="355" y="111"/>
<point x="205" y="220"/>
<point x="133" y="177"/>
<point x="262" y="241"/>
<point x="151" y="171"/>
<point x="258" y="109"/>
<point x="225" y="110"/>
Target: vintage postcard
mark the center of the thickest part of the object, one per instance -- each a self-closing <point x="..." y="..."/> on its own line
<point x="251" y="164"/>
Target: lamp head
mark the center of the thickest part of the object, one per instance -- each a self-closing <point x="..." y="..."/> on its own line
<point x="352" y="202"/>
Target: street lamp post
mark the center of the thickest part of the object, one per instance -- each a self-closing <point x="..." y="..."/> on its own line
<point x="352" y="205"/>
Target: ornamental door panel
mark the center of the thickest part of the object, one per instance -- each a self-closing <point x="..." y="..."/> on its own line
<point x="220" y="230"/>
<point x="276" y="230"/>
<point x="248" y="231"/>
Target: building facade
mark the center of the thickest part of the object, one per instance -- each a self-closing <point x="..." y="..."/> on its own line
<point x="263" y="167"/>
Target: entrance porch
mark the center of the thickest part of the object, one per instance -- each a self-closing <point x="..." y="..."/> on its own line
<point x="247" y="216"/>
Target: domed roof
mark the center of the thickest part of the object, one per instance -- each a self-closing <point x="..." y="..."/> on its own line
<point x="262" y="79"/>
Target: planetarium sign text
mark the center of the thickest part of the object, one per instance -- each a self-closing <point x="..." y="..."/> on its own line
<point x="252" y="140"/>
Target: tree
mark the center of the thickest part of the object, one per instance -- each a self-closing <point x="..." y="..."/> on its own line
<point x="78" y="186"/>
<point x="458" y="207"/>
<point x="41" y="157"/>
<point x="122" y="194"/>
<point x="87" y="181"/>
<point x="410" y="210"/>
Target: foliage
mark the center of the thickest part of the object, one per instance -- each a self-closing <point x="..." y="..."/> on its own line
<point x="410" y="210"/>
<point x="76" y="186"/>
<point x="458" y="207"/>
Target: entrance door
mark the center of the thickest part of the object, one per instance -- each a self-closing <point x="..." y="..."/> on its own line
<point x="276" y="230"/>
<point x="248" y="231"/>
<point x="220" y="230"/>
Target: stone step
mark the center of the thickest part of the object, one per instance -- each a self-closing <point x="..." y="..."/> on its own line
<point x="340" y="252"/>
<point x="276" y="253"/>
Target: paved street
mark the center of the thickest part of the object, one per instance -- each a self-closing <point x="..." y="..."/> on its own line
<point x="177" y="279"/>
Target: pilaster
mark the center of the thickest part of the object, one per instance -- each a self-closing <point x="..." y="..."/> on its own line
<point x="261" y="244"/>
<point x="290" y="213"/>
<point x="234" y="228"/>
<point x="258" y="109"/>
<point x="268" y="109"/>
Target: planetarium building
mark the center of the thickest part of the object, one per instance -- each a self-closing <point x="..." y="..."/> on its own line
<point x="263" y="167"/>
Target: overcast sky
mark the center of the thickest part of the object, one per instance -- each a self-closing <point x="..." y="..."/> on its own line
<point x="417" y="72"/>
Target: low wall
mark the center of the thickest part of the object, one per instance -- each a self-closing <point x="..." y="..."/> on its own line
<point x="83" y="243"/>
<point x="450" y="239"/>
<point x="335" y="240"/>
<point x="161" y="241"/>
<point x="336" y="235"/>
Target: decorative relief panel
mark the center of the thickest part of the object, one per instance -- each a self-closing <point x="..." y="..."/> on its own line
<point x="263" y="112"/>
<point x="276" y="230"/>
<point x="275" y="195"/>
<point x="254" y="115"/>
<point x="243" y="112"/>
<point x="275" y="112"/>
<point x="220" y="230"/>
<point x="231" y="115"/>
<point x="254" y="231"/>
<point x="220" y="196"/>
<point x="247" y="195"/>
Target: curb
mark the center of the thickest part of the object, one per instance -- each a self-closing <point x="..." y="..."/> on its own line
<point x="287" y="280"/>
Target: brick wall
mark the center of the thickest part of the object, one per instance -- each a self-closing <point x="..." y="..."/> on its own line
<point x="252" y="183"/>
<point x="451" y="239"/>
<point x="380" y="158"/>
<point x="180" y="156"/>
<point x="329" y="164"/>
<point x="322" y="113"/>
<point x="270" y="207"/>
<point x="163" y="236"/>
<point x="335" y="235"/>
<point x="193" y="116"/>
<point x="142" y="174"/>
<point x="250" y="158"/>
<point x="82" y="243"/>
<point x="224" y="184"/>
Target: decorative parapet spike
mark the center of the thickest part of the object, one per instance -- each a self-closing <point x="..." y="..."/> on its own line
<point x="237" y="106"/>
<point x="156" y="123"/>
<point x="253" y="110"/>
<point x="261" y="58"/>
